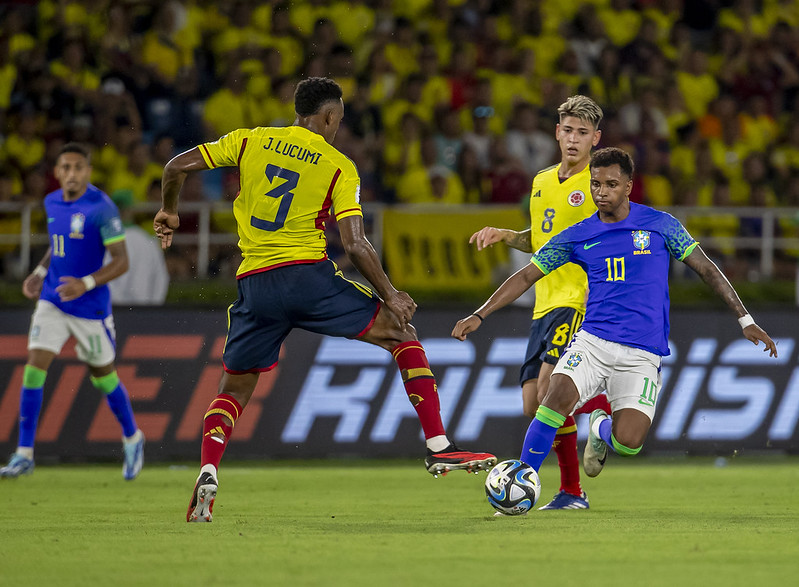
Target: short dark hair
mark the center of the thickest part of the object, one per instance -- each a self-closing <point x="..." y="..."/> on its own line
<point x="613" y="156"/>
<point x="314" y="92"/>
<point x="76" y="148"/>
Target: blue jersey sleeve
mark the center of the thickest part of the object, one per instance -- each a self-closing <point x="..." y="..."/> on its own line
<point x="110" y="224"/>
<point x="679" y="242"/>
<point x="556" y="252"/>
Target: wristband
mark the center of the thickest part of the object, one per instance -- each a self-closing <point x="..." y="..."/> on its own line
<point x="40" y="271"/>
<point x="478" y="315"/>
<point x="746" y="320"/>
<point x="89" y="282"/>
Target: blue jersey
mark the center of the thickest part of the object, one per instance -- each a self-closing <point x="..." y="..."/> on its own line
<point x="79" y="232"/>
<point x="627" y="264"/>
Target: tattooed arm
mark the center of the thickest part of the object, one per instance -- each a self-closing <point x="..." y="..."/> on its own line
<point x="489" y="236"/>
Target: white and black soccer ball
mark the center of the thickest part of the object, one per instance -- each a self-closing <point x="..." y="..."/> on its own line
<point x="513" y="487"/>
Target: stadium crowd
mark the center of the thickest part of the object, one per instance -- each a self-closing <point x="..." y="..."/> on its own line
<point x="447" y="101"/>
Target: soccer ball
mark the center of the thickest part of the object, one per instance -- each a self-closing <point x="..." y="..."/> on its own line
<point x="513" y="487"/>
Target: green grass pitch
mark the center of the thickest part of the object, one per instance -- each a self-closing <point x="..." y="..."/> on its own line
<point x="653" y="521"/>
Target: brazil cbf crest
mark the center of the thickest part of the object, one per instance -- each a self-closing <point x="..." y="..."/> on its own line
<point x="573" y="361"/>
<point x="76" y="224"/>
<point x="641" y="242"/>
<point x="576" y="198"/>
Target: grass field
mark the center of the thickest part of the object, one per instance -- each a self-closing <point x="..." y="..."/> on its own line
<point x="663" y="521"/>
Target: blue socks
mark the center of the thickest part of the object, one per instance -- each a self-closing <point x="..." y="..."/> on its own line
<point x="30" y="404"/>
<point x="540" y="436"/>
<point x="605" y="431"/>
<point x="118" y="401"/>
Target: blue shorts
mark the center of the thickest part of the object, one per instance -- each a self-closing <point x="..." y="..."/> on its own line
<point x="312" y="296"/>
<point x="549" y="337"/>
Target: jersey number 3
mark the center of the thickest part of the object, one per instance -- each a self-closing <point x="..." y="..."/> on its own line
<point x="284" y="189"/>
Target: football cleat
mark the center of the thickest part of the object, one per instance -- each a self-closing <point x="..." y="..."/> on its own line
<point x="452" y="459"/>
<point x="17" y="465"/>
<point x="567" y="501"/>
<point x="134" y="457"/>
<point x="596" y="451"/>
<point x="201" y="505"/>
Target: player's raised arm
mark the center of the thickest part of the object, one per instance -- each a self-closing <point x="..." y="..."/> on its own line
<point x="514" y="286"/>
<point x="166" y="220"/>
<point x="365" y="259"/>
<point x="489" y="236"/>
<point x="712" y="275"/>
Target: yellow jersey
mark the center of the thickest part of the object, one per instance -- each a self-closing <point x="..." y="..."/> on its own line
<point x="290" y="178"/>
<point x="554" y="206"/>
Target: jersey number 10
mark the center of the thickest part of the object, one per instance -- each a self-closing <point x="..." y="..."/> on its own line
<point x="615" y="268"/>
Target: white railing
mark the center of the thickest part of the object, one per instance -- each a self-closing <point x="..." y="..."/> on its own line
<point x="204" y="238"/>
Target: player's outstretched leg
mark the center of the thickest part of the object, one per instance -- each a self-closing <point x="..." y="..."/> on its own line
<point x="133" y="449"/>
<point x="201" y="506"/>
<point x="452" y="459"/>
<point x="17" y="465"/>
<point x="596" y="450"/>
<point x="420" y="385"/>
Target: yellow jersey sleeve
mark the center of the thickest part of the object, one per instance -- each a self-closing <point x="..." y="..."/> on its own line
<point x="290" y="179"/>
<point x="554" y="206"/>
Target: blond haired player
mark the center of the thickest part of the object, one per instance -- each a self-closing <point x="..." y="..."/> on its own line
<point x="561" y="196"/>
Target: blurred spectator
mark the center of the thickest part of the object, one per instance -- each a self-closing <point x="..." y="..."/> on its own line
<point x="645" y="106"/>
<point x="722" y="110"/>
<point x="8" y="78"/>
<point x="436" y="91"/>
<point x="472" y="176"/>
<point x="24" y="148"/>
<point x="721" y="228"/>
<point x="408" y="100"/>
<point x="589" y="39"/>
<point x="636" y="54"/>
<point x="526" y="141"/>
<point x="757" y="124"/>
<point x="161" y="51"/>
<point x="147" y="280"/>
<point x="507" y="176"/>
<point x="609" y="83"/>
<point x="730" y="150"/>
<point x="698" y="86"/>
<point x="342" y="69"/>
<point x="785" y="156"/>
<point x="430" y="182"/>
<point x="231" y="107"/>
<point x="402" y="49"/>
<point x="362" y="117"/>
<point x="403" y="150"/>
<point x="449" y="138"/>
<point x="621" y="20"/>
<point x="135" y="178"/>
<point x="479" y="139"/>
